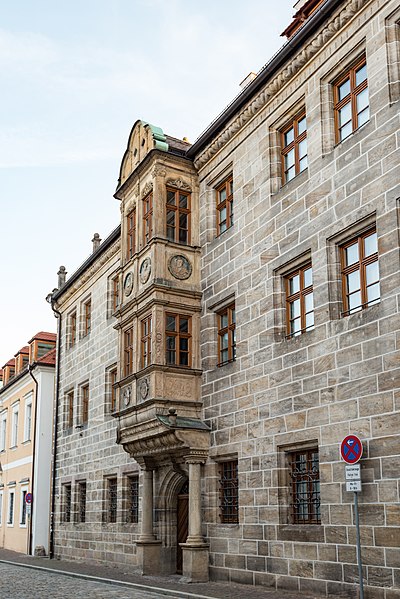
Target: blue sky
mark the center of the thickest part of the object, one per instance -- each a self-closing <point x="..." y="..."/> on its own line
<point x="75" y="76"/>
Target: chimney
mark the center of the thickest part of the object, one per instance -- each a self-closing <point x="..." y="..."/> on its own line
<point x="96" y="241"/>
<point x="62" y="275"/>
<point x="250" y="77"/>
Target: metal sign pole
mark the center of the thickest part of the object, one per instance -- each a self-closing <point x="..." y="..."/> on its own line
<point x="360" y="573"/>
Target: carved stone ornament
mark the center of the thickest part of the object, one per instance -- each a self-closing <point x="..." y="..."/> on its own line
<point x="180" y="267"/>
<point x="145" y="270"/>
<point x="128" y="284"/>
<point x="179" y="184"/>
<point x="146" y="190"/>
<point x="158" y="171"/>
<point x="126" y="396"/>
<point x="143" y="389"/>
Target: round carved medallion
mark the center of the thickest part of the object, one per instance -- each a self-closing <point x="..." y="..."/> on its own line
<point x="126" y="396"/>
<point x="128" y="284"/>
<point x="145" y="270"/>
<point x="143" y="389"/>
<point x="180" y="267"/>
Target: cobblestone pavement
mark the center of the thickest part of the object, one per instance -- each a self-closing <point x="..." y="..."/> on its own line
<point x="23" y="576"/>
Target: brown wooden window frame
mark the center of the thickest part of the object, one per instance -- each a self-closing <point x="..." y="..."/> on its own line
<point x="350" y="98"/>
<point x="147" y="217"/>
<point x="226" y="187"/>
<point x="87" y="317"/>
<point x="72" y="328"/>
<point x="145" y="341"/>
<point x="301" y="295"/>
<point x="177" y="211"/>
<point x="229" y="492"/>
<point x="115" y="293"/>
<point x="178" y="336"/>
<point x="295" y="145"/>
<point x="84" y="404"/>
<point x="128" y="351"/>
<point x="361" y="265"/>
<point x="70" y="409"/>
<point x="113" y="372"/>
<point x="304" y="496"/>
<point x="228" y="329"/>
<point x="131" y="233"/>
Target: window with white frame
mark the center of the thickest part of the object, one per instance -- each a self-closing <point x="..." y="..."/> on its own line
<point x="11" y="505"/>
<point x="28" y="417"/>
<point x="22" y="519"/>
<point x="14" y="425"/>
<point x="3" y="430"/>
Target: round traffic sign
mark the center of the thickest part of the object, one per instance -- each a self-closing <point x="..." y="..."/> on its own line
<point x="28" y="498"/>
<point x="351" y="449"/>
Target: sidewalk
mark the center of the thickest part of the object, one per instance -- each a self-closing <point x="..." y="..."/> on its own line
<point x="209" y="590"/>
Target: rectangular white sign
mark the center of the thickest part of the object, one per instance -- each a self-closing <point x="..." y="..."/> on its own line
<point x="353" y="472"/>
<point x="353" y="485"/>
<point x="28" y="509"/>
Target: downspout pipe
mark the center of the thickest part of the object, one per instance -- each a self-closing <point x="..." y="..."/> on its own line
<point x="30" y="369"/>
<point x="57" y="314"/>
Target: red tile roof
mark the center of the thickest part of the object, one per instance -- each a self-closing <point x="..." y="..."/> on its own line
<point x="43" y="336"/>
<point x="23" y="350"/>
<point x="301" y="16"/>
<point x="49" y="359"/>
<point x="10" y="363"/>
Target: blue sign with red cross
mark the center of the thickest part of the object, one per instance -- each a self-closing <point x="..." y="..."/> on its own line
<point x="351" y="449"/>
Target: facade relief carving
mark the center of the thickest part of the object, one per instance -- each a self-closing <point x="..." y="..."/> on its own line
<point x="128" y="284"/>
<point x="126" y="396"/>
<point x="146" y="190"/>
<point x="179" y="184"/>
<point x="143" y="390"/>
<point x="180" y="267"/>
<point x="158" y="171"/>
<point x="145" y="270"/>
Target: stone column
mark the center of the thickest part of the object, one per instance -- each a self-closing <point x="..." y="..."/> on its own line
<point x="148" y="548"/>
<point x="195" y="550"/>
<point x="147" y="533"/>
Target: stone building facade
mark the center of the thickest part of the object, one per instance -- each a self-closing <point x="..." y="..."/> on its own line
<point x="312" y="149"/>
<point x="254" y="324"/>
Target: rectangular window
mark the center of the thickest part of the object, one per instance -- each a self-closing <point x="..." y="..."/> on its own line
<point x="1" y="508"/>
<point x="11" y="497"/>
<point x="3" y="431"/>
<point x="69" y="409"/>
<point x="23" y="507"/>
<point x="130" y="234"/>
<point x="351" y="103"/>
<point x="87" y="317"/>
<point x="225" y="205"/>
<point x="113" y="390"/>
<point x="72" y="329"/>
<point x="85" y="404"/>
<point x="299" y="301"/>
<point x="111" y="500"/>
<point x="67" y="502"/>
<point x="229" y="492"/>
<point x="227" y="334"/>
<point x="133" y="499"/>
<point x="178" y="216"/>
<point x="28" y="418"/>
<point x="294" y="148"/>
<point x="178" y="339"/>
<point x="115" y="293"/>
<point x="305" y="489"/>
<point x="148" y="218"/>
<point x="146" y="341"/>
<point x="14" y="426"/>
<point x="81" y="501"/>
<point x="128" y="352"/>
<point x="360" y="272"/>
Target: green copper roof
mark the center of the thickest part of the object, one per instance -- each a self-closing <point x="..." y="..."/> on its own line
<point x="181" y="422"/>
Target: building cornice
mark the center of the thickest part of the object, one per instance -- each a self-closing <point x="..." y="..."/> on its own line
<point x="253" y="99"/>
